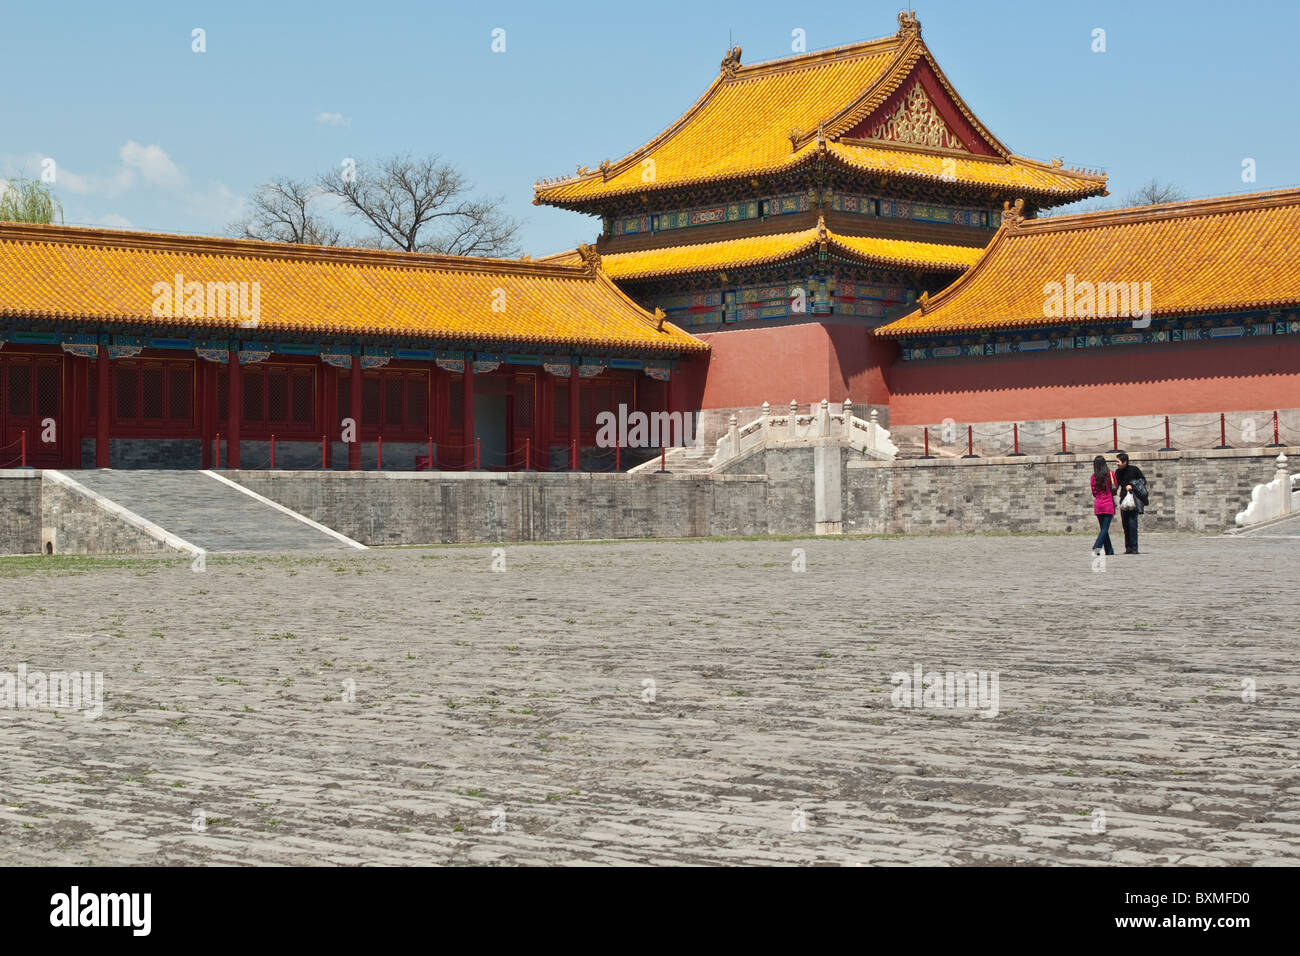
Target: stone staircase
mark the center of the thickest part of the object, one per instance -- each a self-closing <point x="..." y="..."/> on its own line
<point x="679" y="461"/>
<point x="209" y="512"/>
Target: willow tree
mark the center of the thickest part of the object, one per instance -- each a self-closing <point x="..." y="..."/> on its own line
<point x="26" y="200"/>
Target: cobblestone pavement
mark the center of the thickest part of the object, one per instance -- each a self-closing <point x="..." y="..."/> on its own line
<point x="515" y="700"/>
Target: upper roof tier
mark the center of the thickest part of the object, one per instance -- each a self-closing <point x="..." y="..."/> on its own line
<point x="1211" y="255"/>
<point x="881" y="107"/>
<point x="96" y="275"/>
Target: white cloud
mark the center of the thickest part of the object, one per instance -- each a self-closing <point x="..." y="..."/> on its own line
<point x="333" y="119"/>
<point x="113" y="221"/>
<point x="153" y="164"/>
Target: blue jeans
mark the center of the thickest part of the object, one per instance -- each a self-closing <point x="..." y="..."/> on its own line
<point x="1103" y="536"/>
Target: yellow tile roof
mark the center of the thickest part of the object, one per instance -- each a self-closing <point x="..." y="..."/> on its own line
<point x="743" y="123"/>
<point x="1014" y="173"/>
<point x="761" y="250"/>
<point x="1209" y="255"/>
<point x="98" y="275"/>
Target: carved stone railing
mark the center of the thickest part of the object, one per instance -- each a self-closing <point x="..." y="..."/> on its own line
<point x="1279" y="497"/>
<point x="770" y="430"/>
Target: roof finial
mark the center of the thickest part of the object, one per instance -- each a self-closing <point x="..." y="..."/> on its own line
<point x="660" y="315"/>
<point x="731" y="62"/>
<point x="590" y="257"/>
<point x="821" y="228"/>
<point x="924" y="302"/>
<point x="793" y="136"/>
<point x="604" y="169"/>
<point x="1011" y="217"/>
<point x="908" y="25"/>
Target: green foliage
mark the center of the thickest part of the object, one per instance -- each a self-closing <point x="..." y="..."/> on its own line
<point x="27" y="200"/>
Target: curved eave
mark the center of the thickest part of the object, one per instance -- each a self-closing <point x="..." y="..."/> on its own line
<point x="797" y="245"/>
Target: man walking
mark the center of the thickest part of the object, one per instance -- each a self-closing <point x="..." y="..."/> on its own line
<point x="1130" y="478"/>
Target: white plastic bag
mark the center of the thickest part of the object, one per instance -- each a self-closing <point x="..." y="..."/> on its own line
<point x="1129" y="503"/>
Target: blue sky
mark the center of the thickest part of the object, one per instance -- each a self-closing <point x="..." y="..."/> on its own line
<point x="147" y="134"/>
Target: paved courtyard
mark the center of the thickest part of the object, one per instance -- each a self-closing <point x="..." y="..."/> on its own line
<point x="503" y="717"/>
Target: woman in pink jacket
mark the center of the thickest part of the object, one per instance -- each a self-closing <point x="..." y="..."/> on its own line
<point x="1103" y="503"/>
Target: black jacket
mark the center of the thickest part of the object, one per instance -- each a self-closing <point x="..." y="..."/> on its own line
<point x="1130" y="475"/>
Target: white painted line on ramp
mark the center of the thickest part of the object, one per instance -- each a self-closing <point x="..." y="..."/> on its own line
<point x="288" y="511"/>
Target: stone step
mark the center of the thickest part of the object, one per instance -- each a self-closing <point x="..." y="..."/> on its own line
<point x="206" y="512"/>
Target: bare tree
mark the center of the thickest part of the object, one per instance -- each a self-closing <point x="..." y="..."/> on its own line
<point x="423" y="205"/>
<point x="280" y="212"/>
<point x="1154" y="192"/>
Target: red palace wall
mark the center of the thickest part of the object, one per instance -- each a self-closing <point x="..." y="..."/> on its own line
<point x="805" y="362"/>
<point x="1215" y="376"/>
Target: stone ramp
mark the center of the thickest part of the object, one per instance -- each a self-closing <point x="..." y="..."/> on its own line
<point x="1284" y="526"/>
<point x="211" y="512"/>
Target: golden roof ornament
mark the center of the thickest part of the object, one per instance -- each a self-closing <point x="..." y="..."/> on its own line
<point x="924" y="302"/>
<point x="793" y="136"/>
<point x="660" y="315"/>
<point x="822" y="235"/>
<point x="590" y="257"/>
<point x="731" y="62"/>
<point x="1011" y="217"/>
<point x="908" y="24"/>
<point x="604" y="169"/>
<point x="1058" y="162"/>
<point x="582" y="171"/>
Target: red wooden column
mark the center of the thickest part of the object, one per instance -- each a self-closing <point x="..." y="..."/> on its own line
<point x="354" y="412"/>
<point x="575" y="429"/>
<point x="545" y="422"/>
<point x="467" y="381"/>
<point x="101" y="400"/>
<point x="432" y="414"/>
<point x="204" y="411"/>
<point x="234" y="409"/>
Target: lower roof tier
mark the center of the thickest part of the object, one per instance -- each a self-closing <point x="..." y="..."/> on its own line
<point x="751" y="251"/>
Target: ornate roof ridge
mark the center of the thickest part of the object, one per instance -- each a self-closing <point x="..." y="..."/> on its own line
<point x="1161" y="212"/>
<point x="817" y="57"/>
<point x="260" y="249"/>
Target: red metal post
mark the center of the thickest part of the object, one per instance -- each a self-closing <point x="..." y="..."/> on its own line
<point x="22" y="447"/>
<point x="618" y="457"/>
<point x="663" y="458"/>
<point x="970" y="440"/>
<point x="1275" y="441"/>
<point x="528" y="454"/>
<point x="1063" y="451"/>
<point x="927" y="441"/>
<point x="379" y="464"/>
<point x="1168" y="446"/>
<point x="323" y="446"/>
<point x="217" y="464"/>
<point x="1223" y="430"/>
<point x="1015" y="432"/>
<point x="1114" y="432"/>
<point x="573" y="455"/>
<point x="273" y="451"/>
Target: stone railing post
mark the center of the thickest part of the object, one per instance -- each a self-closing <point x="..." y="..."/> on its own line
<point x="871" y="432"/>
<point x="824" y="419"/>
<point x="767" y="410"/>
<point x="848" y="419"/>
<point x="794" y="413"/>
<point x="1283" y="478"/>
<point x="733" y="436"/>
